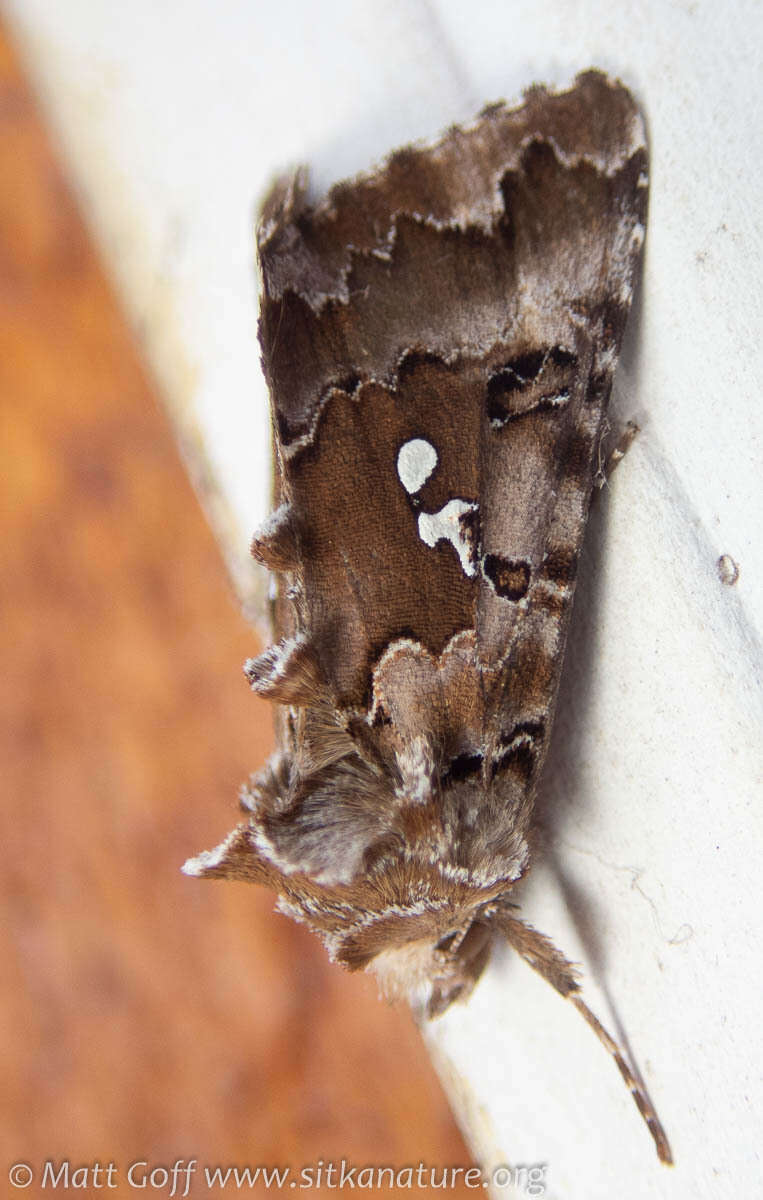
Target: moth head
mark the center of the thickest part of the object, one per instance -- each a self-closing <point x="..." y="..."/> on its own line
<point x="432" y="974"/>
<point x="421" y="925"/>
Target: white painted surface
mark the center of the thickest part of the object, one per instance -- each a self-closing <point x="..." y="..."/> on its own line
<point x="174" y="116"/>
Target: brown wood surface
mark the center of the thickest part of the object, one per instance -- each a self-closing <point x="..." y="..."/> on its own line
<point x="145" y="1016"/>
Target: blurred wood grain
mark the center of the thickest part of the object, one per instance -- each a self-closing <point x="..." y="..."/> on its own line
<point x="145" y="1015"/>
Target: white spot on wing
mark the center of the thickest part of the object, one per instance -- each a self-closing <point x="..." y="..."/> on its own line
<point x="416" y="461"/>
<point x="446" y="524"/>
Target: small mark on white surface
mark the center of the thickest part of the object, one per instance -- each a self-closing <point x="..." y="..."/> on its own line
<point x="416" y="460"/>
<point x="684" y="933"/>
<point x="728" y="570"/>
<point x="448" y="525"/>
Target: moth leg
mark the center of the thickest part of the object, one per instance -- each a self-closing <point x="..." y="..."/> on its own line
<point x="542" y="955"/>
<point x="608" y="461"/>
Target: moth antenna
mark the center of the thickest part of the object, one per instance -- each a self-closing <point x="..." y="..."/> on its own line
<point x="637" y="1090"/>
<point x="275" y="543"/>
<point x="288" y="673"/>
<point x="542" y="955"/>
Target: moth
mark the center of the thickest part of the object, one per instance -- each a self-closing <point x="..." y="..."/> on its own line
<point x="439" y="339"/>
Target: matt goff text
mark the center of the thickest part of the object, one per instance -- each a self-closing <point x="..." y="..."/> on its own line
<point x="176" y="1180"/>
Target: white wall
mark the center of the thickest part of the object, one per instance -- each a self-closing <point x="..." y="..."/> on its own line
<point x="174" y="115"/>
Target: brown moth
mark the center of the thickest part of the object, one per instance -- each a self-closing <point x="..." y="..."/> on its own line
<point x="439" y="340"/>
